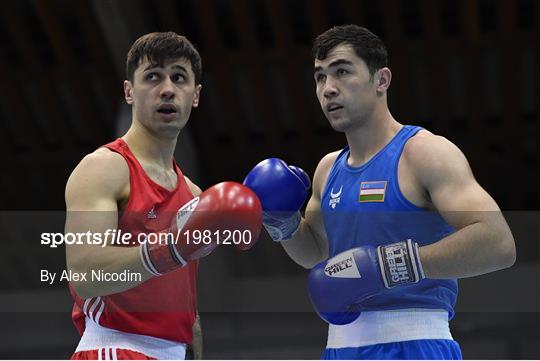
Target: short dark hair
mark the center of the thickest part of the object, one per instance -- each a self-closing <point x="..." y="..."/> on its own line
<point x="159" y="47"/>
<point x="367" y="46"/>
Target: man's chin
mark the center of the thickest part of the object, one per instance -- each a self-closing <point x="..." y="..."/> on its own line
<point x="170" y="129"/>
<point x="340" y="125"/>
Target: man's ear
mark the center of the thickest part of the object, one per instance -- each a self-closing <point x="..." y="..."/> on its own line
<point x="197" y="96"/>
<point x="128" y="92"/>
<point x="383" y="78"/>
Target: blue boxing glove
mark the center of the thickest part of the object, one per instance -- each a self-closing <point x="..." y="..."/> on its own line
<point x="339" y="286"/>
<point x="282" y="190"/>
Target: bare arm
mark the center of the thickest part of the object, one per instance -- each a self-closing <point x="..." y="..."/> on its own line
<point x="197" y="344"/>
<point x="309" y="245"/>
<point x="483" y="241"/>
<point x="92" y="192"/>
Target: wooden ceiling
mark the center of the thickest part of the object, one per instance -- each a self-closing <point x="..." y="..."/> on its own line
<point x="466" y="69"/>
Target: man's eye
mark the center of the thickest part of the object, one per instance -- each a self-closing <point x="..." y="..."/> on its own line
<point x="151" y="76"/>
<point x="342" y="72"/>
<point x="178" y="78"/>
<point x="320" y="77"/>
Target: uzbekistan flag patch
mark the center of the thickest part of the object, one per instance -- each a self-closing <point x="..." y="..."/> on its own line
<point x="372" y="191"/>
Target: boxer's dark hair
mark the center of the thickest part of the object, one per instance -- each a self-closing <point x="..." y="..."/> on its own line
<point x="367" y="46"/>
<point x="159" y="47"/>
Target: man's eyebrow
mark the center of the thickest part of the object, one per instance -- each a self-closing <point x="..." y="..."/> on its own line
<point x="180" y="67"/>
<point x="152" y="66"/>
<point x="340" y="62"/>
<point x="333" y="64"/>
<point x="176" y="66"/>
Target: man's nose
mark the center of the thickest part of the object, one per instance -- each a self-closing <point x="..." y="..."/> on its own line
<point x="167" y="89"/>
<point x="330" y="89"/>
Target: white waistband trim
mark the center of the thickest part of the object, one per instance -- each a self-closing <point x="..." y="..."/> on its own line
<point x="97" y="337"/>
<point x="390" y="326"/>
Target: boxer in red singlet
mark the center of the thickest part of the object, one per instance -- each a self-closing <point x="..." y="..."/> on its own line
<point x="134" y="185"/>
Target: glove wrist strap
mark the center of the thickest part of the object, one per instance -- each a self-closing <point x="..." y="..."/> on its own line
<point x="400" y="263"/>
<point x="281" y="229"/>
<point x="160" y="258"/>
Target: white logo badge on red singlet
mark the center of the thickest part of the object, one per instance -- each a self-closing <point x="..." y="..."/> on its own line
<point x="151" y="214"/>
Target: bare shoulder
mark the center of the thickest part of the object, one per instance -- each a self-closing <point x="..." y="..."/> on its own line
<point x="322" y="171"/>
<point x="432" y="156"/>
<point x="101" y="173"/>
<point x="103" y="165"/>
<point x="328" y="160"/>
<point x="195" y="190"/>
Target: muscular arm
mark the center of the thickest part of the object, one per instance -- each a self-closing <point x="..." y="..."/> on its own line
<point x="197" y="343"/>
<point x="92" y="193"/>
<point x="483" y="241"/>
<point x="309" y="245"/>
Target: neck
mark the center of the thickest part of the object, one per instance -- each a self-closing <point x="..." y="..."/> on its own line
<point x="148" y="147"/>
<point x="371" y="136"/>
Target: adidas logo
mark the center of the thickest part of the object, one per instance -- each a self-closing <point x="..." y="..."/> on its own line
<point x="151" y="214"/>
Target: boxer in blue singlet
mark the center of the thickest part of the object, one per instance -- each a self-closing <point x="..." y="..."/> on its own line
<point x="394" y="219"/>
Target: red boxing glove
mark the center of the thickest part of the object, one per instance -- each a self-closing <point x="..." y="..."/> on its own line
<point x="223" y="211"/>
